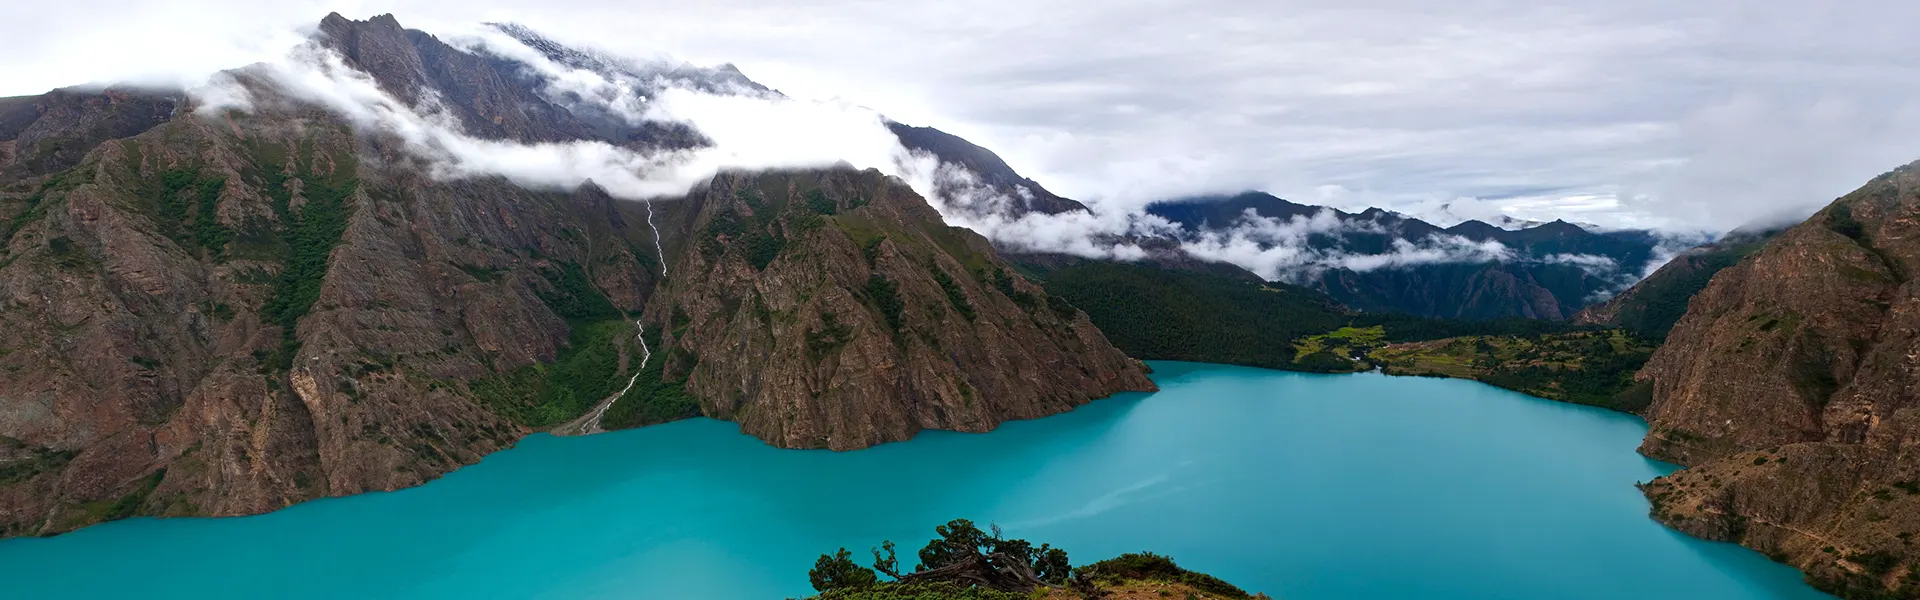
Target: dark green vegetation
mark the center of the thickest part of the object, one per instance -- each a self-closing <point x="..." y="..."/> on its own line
<point x="128" y="505"/>
<point x="652" y="398"/>
<point x="35" y="206"/>
<point x="1159" y="314"/>
<point x="588" y="369"/>
<point x="186" y="207"/>
<point x="543" y="395"/>
<point x="19" y="462"/>
<point x="1654" y="305"/>
<point x="886" y="297"/>
<point x="759" y="235"/>
<point x="966" y="563"/>
<point x="1870" y="582"/>
<point x="309" y="233"/>
<point x="962" y="554"/>
<point x="1584" y="367"/>
<point x="956" y="297"/>
<point x="572" y="296"/>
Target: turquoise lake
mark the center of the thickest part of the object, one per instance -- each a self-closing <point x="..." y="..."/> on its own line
<point x="1305" y="487"/>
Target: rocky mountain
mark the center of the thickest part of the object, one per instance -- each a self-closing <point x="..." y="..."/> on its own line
<point x="1788" y="390"/>
<point x="1650" y="308"/>
<point x="834" y="309"/>
<point x="989" y="168"/>
<point x="1378" y="260"/>
<point x="226" y="313"/>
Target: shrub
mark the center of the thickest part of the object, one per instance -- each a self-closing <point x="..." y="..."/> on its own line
<point x="886" y="297"/>
<point x="837" y="571"/>
<point x="955" y="296"/>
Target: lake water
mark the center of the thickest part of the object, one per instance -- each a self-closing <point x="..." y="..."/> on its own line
<point x="1302" y="486"/>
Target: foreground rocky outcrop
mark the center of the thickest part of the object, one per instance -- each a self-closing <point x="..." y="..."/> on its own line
<point x="1788" y="389"/>
<point x="965" y="562"/>
<point x="224" y="312"/>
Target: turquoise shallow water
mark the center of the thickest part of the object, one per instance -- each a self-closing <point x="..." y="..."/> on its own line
<point x="1302" y="486"/>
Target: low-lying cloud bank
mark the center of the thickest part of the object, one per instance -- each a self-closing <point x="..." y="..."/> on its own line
<point x="747" y="132"/>
<point x="751" y="128"/>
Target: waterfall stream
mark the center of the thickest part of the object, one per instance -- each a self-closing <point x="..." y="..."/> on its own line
<point x="592" y="424"/>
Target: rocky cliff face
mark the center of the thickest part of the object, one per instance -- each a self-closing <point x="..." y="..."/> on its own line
<point x="835" y="310"/>
<point x="1788" y="388"/>
<point x="227" y="314"/>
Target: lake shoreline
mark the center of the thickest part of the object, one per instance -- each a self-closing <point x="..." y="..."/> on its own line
<point x="667" y="506"/>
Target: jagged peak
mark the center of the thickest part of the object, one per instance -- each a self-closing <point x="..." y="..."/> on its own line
<point x="725" y="78"/>
<point x="1558" y="227"/>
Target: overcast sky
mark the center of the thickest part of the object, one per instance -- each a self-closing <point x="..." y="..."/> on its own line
<point x="1703" y="113"/>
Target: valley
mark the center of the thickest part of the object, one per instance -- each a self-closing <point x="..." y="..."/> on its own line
<point x="1301" y="486"/>
<point x="400" y="263"/>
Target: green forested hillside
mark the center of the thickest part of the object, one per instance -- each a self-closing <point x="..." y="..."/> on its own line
<point x="1161" y="314"/>
<point x="1650" y="308"/>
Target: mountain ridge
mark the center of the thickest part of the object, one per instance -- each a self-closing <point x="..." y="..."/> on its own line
<point x="1786" y="389"/>
<point x="231" y="312"/>
<point x="1551" y="270"/>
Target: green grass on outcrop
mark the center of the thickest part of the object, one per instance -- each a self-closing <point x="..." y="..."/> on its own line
<point x="1585" y="367"/>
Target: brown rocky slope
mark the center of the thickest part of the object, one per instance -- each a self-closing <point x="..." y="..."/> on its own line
<point x="225" y="315"/>
<point x="834" y="309"/>
<point x="1789" y="390"/>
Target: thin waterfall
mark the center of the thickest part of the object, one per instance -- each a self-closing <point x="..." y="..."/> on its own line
<point x="662" y="254"/>
<point x="592" y="424"/>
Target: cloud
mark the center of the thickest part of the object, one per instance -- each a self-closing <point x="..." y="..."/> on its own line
<point x="1284" y="249"/>
<point x="1593" y="264"/>
<point x="1677" y="115"/>
<point x="748" y="129"/>
<point x="964" y="201"/>
<point x="747" y="132"/>
<point x="616" y="93"/>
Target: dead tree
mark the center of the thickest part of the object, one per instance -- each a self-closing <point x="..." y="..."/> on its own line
<point x="997" y="571"/>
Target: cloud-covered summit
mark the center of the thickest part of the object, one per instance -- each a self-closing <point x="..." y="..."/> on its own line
<point x="503" y="100"/>
<point x="1680" y="115"/>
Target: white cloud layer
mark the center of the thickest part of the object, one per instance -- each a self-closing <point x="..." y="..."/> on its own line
<point x="1678" y="115"/>
<point x="748" y="132"/>
<point x="1279" y="249"/>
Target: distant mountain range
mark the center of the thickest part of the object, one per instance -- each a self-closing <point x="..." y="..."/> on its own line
<point x="1382" y="261"/>
<point x="1377" y="260"/>
<point x="225" y="312"/>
